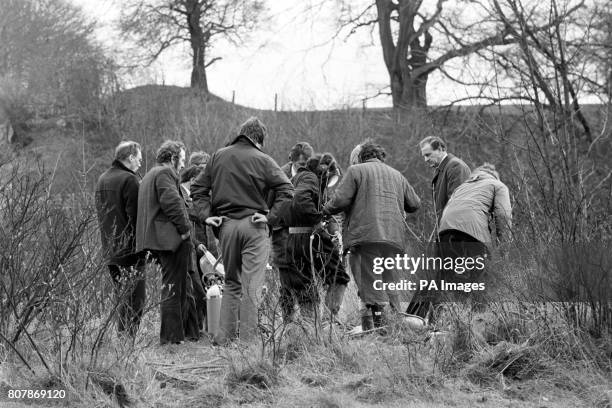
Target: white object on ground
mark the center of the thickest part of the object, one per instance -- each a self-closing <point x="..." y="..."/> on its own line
<point x="213" y="309"/>
<point x="213" y="261"/>
<point x="414" y="322"/>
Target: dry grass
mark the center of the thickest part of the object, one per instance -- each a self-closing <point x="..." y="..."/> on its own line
<point x="397" y="370"/>
<point x="516" y="353"/>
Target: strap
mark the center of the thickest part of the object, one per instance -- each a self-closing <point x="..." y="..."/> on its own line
<point x="300" y="230"/>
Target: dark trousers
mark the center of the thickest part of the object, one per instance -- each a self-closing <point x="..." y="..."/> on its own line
<point x="130" y="290"/>
<point x="300" y="281"/>
<point x="174" y="266"/>
<point x="453" y="244"/>
<point x="361" y="260"/>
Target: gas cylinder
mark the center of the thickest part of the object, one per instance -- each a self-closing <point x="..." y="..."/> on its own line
<point x="213" y="309"/>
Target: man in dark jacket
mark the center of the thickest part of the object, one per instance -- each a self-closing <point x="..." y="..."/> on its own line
<point x="164" y="229"/>
<point x="298" y="156"/>
<point x="450" y="173"/>
<point x="117" y="204"/>
<point x="231" y="195"/>
<point x="313" y="253"/>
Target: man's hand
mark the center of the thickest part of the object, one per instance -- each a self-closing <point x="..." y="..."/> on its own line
<point x="214" y="221"/>
<point x="257" y="217"/>
<point x="202" y="248"/>
<point x="185" y="236"/>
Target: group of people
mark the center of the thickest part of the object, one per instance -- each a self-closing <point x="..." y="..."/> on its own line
<point x="307" y="213"/>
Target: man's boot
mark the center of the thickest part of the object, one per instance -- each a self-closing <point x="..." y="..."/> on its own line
<point x="333" y="298"/>
<point x="378" y="315"/>
<point x="367" y="322"/>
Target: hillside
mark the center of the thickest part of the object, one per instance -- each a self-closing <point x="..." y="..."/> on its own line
<point x="522" y="350"/>
<point x="151" y="114"/>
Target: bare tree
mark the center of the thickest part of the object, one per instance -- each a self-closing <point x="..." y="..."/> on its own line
<point x="158" y="25"/>
<point x="600" y="48"/>
<point x="418" y="39"/>
<point x="47" y="52"/>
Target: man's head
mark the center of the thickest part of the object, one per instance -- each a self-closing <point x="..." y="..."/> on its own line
<point x="487" y="168"/>
<point x="189" y="173"/>
<point x="129" y="154"/>
<point x="198" y="158"/>
<point x="321" y="163"/>
<point x="433" y="150"/>
<point x="172" y="152"/>
<point x="255" y="130"/>
<point x="370" y="150"/>
<point x="300" y="153"/>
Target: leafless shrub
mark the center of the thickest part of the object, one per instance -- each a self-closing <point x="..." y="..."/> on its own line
<point x="57" y="304"/>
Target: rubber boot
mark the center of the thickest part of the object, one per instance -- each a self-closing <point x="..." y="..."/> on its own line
<point x="333" y="298"/>
<point x="367" y="323"/>
<point x="378" y="315"/>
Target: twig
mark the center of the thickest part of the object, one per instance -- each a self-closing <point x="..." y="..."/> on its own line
<point x="16" y="352"/>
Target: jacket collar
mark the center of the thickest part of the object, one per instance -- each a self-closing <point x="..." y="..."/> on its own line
<point x="117" y="164"/>
<point x="480" y="175"/>
<point x="442" y="166"/>
<point x="372" y="160"/>
<point x="242" y="139"/>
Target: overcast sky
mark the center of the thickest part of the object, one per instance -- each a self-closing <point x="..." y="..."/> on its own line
<point x="295" y="56"/>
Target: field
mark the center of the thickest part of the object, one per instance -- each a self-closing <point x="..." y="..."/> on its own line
<point x="536" y="345"/>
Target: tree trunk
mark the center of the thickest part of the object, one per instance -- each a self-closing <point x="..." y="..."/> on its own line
<point x="414" y="93"/>
<point x="404" y="55"/>
<point x="198" y="46"/>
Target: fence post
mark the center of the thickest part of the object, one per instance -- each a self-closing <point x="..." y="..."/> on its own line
<point x="275" y="102"/>
<point x="363" y="106"/>
<point x="233" y="96"/>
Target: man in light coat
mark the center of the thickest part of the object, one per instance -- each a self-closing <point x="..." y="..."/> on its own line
<point x="375" y="198"/>
<point x="464" y="227"/>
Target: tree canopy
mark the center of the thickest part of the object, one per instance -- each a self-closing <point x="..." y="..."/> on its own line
<point x="155" y="26"/>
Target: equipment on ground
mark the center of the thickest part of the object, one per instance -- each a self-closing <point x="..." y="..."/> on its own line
<point x="213" y="309"/>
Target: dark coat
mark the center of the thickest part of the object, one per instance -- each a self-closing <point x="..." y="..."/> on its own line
<point x="237" y="182"/>
<point x="162" y="214"/>
<point x="305" y="210"/>
<point x="117" y="206"/>
<point x="375" y="198"/>
<point x="283" y="212"/>
<point x="449" y="175"/>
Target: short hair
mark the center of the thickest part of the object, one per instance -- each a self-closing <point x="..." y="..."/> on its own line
<point x="488" y="168"/>
<point x="168" y="150"/>
<point x="190" y="172"/>
<point x="299" y="149"/>
<point x="125" y="149"/>
<point x="199" y="158"/>
<point x="371" y="150"/>
<point x="254" y="129"/>
<point x="322" y="162"/>
<point x="436" y="143"/>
